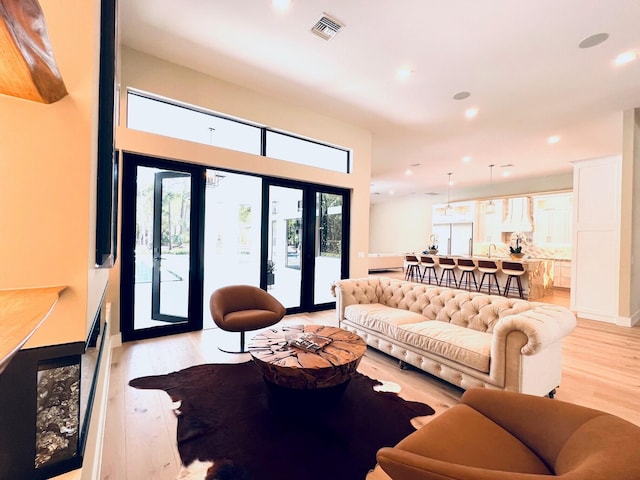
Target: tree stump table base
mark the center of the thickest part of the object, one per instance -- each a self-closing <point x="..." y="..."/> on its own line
<point x="296" y="376"/>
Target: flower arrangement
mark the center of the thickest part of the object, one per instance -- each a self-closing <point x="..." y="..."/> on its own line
<point x="519" y="238"/>
<point x="433" y="243"/>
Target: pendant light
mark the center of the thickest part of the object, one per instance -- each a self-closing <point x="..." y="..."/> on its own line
<point x="491" y="207"/>
<point x="448" y="211"/>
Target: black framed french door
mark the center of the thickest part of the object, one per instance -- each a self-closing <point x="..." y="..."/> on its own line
<point x="306" y="244"/>
<point x="173" y="255"/>
<point x="161" y="262"/>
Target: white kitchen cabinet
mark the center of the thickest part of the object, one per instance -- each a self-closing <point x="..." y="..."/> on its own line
<point x="461" y="212"/>
<point x="489" y="223"/>
<point x="595" y="274"/>
<point x="553" y="219"/>
<point x="562" y="274"/>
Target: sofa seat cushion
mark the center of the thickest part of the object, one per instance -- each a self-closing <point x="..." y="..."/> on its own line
<point x="381" y="318"/>
<point x="462" y="345"/>
<point x="477" y="442"/>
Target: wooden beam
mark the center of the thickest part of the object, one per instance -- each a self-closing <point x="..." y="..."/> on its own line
<point x="27" y="66"/>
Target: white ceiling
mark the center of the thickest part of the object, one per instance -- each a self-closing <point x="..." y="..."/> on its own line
<point x="519" y="59"/>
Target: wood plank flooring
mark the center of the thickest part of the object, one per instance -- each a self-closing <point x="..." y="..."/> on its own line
<point x="601" y="370"/>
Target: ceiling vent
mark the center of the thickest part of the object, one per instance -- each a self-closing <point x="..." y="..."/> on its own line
<point x="327" y="27"/>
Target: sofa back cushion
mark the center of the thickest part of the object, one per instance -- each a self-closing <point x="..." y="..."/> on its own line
<point x="474" y="310"/>
<point x="479" y="311"/>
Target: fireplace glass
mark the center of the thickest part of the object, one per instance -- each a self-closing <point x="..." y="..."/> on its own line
<point x="57" y="410"/>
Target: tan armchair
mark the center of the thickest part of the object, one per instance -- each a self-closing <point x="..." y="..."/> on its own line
<point x="238" y="308"/>
<point x="497" y="435"/>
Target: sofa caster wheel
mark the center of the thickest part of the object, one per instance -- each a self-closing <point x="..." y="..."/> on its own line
<point x="403" y="365"/>
<point x="552" y="393"/>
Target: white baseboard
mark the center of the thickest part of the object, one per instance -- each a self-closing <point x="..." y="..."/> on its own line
<point x="616" y="320"/>
<point x="629" y="321"/>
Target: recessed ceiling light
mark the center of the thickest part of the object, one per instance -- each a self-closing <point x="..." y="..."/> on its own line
<point x="553" y="139"/>
<point x="403" y="73"/>
<point x="281" y="5"/>
<point x="471" y="112"/>
<point x="461" y="95"/>
<point x="593" y="40"/>
<point x="466" y="159"/>
<point x="408" y="172"/>
<point x="626" y="57"/>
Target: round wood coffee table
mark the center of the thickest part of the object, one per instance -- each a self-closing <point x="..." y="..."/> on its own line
<point x="292" y="368"/>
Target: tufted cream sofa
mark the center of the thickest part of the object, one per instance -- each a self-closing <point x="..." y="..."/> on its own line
<point x="469" y="339"/>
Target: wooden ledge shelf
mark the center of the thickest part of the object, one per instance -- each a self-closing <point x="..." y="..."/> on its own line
<point x="22" y="312"/>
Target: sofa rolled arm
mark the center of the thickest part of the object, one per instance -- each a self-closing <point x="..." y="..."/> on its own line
<point x="352" y="291"/>
<point x="542" y="325"/>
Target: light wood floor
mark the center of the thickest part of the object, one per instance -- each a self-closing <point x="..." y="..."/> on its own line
<point x="601" y="369"/>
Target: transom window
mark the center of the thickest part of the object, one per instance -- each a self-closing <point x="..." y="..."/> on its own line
<point x="173" y="119"/>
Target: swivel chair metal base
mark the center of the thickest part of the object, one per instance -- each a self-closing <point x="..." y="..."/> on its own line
<point x="242" y="346"/>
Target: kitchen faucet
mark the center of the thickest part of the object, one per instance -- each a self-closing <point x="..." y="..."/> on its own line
<point x="494" y="247"/>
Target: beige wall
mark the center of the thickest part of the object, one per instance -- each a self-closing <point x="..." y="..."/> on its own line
<point x="630" y="214"/>
<point x="47" y="180"/>
<point x="153" y="75"/>
<point x="400" y="226"/>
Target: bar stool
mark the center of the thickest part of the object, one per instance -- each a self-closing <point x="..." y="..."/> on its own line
<point x="488" y="267"/>
<point x="467" y="266"/>
<point x="413" y="267"/>
<point x="429" y="264"/>
<point x="448" y="265"/>
<point x="513" y="270"/>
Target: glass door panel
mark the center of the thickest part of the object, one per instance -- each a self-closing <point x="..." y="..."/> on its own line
<point x="232" y="233"/>
<point x="160" y="279"/>
<point x="305" y="249"/>
<point x="328" y="245"/>
<point x="285" y="242"/>
<point x="170" y="246"/>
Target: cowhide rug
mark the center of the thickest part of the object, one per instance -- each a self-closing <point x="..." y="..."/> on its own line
<point x="231" y="427"/>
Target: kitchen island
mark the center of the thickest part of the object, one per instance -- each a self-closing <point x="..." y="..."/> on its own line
<point x="537" y="280"/>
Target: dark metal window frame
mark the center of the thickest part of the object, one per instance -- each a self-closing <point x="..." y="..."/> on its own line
<point x="263" y="129"/>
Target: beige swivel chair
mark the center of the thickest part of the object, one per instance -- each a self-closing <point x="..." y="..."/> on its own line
<point x="499" y="435"/>
<point x="239" y="308"/>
